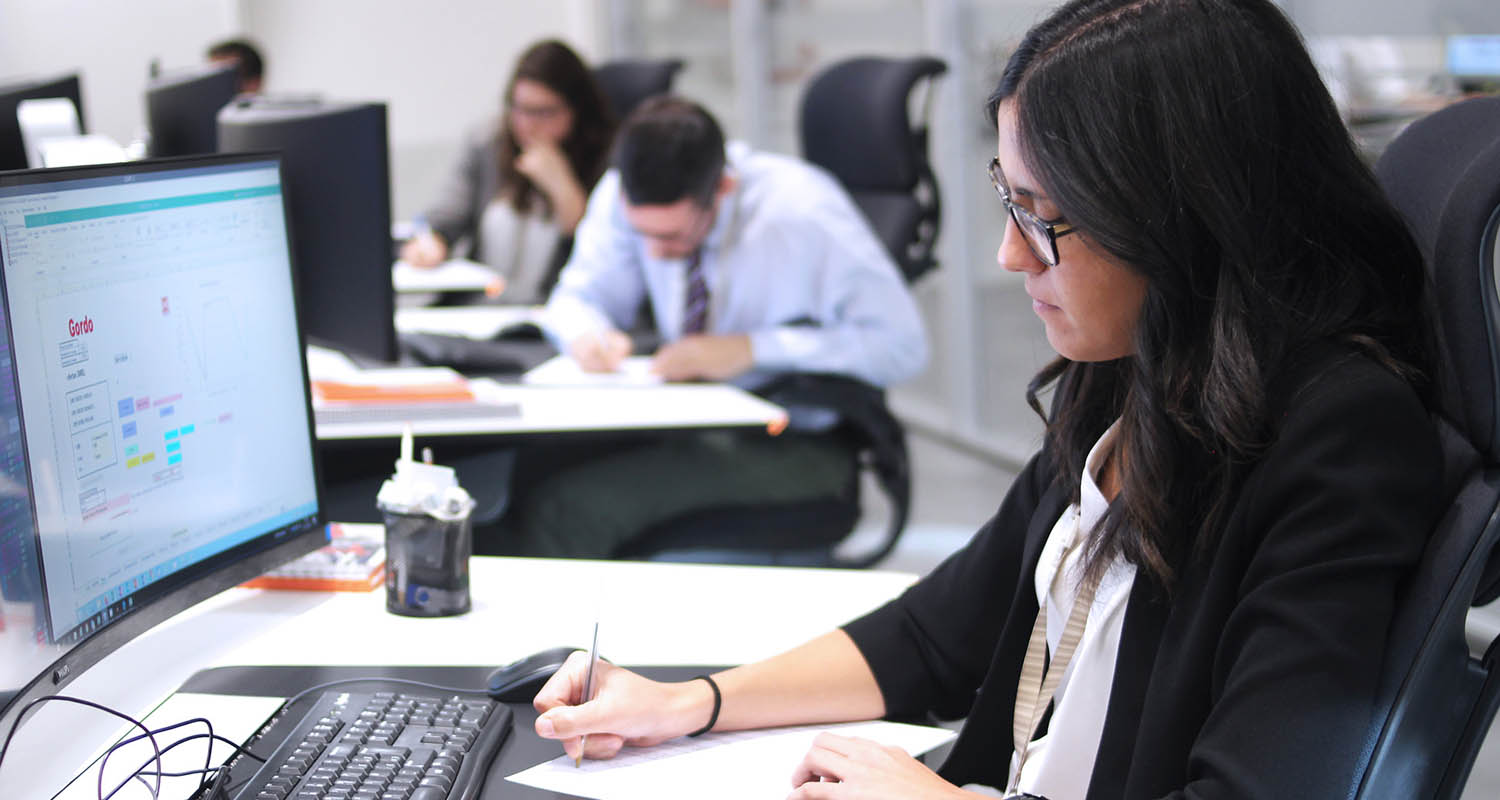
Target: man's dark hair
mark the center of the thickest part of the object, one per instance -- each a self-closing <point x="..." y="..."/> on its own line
<point x="669" y="149"/>
<point x="246" y="56"/>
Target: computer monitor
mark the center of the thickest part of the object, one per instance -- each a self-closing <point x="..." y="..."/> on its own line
<point x="181" y="107"/>
<point x="12" y="146"/>
<point x="339" y="197"/>
<point x="1474" y="62"/>
<point x="157" y="444"/>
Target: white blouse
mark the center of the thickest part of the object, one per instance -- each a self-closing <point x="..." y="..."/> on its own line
<point x="1060" y="763"/>
<point x="520" y="247"/>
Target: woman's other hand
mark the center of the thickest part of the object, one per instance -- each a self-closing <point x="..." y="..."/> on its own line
<point x="844" y="768"/>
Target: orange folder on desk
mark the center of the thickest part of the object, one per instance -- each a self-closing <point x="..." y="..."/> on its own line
<point x="442" y="392"/>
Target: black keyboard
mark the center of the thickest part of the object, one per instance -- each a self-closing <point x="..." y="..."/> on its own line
<point x="385" y="746"/>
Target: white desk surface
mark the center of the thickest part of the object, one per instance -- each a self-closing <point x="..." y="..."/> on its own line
<point x="557" y="409"/>
<point x="453" y="275"/>
<point x="651" y="614"/>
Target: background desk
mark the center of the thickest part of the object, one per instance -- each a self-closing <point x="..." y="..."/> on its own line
<point x="583" y="409"/>
<point x="651" y="614"/>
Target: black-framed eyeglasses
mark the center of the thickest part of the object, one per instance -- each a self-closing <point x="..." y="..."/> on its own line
<point x="1041" y="236"/>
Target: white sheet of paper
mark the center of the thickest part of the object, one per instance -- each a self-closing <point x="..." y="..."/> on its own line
<point x="395" y="377"/>
<point x="233" y="717"/>
<point x="454" y="275"/>
<point x="475" y="322"/>
<point x="562" y="370"/>
<point x="324" y="364"/>
<point x="727" y="766"/>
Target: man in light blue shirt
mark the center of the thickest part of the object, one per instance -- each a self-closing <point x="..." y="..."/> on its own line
<point x="754" y="265"/>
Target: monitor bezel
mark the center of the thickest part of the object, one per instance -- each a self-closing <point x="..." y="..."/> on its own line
<point x="181" y="591"/>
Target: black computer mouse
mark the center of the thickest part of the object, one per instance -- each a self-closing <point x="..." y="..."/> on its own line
<point x="519" y="681"/>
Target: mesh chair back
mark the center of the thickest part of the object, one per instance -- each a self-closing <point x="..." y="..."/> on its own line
<point x="856" y="124"/>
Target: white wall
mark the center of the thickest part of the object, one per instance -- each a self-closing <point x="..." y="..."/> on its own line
<point x="111" y="44"/>
<point x="438" y="64"/>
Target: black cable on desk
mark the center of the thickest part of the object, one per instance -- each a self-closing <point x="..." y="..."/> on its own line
<point x="159" y="774"/>
<point x="90" y="704"/>
<point x="207" y="758"/>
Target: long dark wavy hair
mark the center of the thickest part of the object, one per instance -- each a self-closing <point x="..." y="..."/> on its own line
<point x="1194" y="141"/>
<point x="555" y="65"/>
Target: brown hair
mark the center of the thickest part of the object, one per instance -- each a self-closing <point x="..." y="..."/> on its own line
<point x="555" y="65"/>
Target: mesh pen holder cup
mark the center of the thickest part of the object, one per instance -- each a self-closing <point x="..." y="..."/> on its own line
<point x="427" y="551"/>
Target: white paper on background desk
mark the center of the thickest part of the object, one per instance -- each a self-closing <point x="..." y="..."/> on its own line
<point x="562" y="370"/>
<point x="454" y="275"/>
<point x="475" y="322"/>
<point x="727" y="766"/>
<point x="402" y="376"/>
<point x="233" y="717"/>
<point x="324" y="364"/>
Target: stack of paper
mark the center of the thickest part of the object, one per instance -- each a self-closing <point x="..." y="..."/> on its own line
<point x="352" y="561"/>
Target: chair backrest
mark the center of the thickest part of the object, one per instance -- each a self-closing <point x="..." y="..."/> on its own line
<point x="629" y="81"/>
<point x="856" y="124"/>
<point x="1443" y="173"/>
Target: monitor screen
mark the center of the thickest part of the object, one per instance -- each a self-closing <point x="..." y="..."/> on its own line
<point x="1474" y="56"/>
<point x="12" y="146"/>
<point x="157" y="442"/>
<point x="339" y="196"/>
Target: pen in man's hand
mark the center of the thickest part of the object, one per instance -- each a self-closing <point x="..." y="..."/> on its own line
<point x="588" y="690"/>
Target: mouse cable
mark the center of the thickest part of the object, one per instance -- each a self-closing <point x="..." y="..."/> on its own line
<point x="155" y="746"/>
<point x="149" y="787"/>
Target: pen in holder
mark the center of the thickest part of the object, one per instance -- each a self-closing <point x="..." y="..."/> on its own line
<point x="428" y="538"/>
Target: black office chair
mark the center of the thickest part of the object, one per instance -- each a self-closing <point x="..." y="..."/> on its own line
<point x="804" y="533"/>
<point x="855" y="124"/>
<point x="1443" y="173"/>
<point x="629" y="81"/>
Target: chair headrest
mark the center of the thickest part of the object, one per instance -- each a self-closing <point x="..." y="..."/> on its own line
<point x="627" y="82"/>
<point x="1443" y="174"/>
<point x="855" y="122"/>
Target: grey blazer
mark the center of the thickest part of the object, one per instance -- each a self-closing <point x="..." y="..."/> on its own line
<point x="470" y="186"/>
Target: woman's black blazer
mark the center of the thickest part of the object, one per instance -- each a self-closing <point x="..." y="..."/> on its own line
<point x="1256" y="676"/>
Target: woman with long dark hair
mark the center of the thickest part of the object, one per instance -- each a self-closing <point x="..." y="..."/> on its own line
<point x="1187" y="592"/>
<point x="522" y="184"/>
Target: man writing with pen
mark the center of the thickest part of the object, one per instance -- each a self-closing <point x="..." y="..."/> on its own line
<point x="754" y="265"/>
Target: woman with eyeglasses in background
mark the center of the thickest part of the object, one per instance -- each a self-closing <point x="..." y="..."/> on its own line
<point x="1187" y="592"/>
<point x="523" y="181"/>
